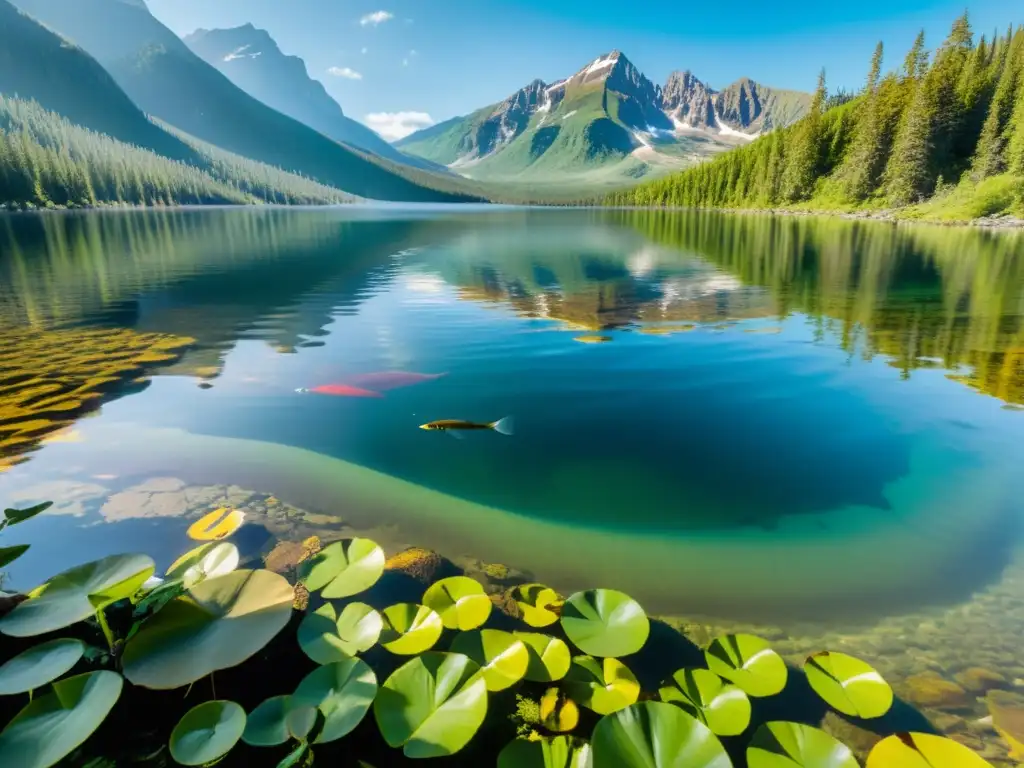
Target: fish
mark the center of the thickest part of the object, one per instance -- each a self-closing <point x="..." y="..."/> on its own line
<point x="501" y="426"/>
<point x="382" y="381"/>
<point x="341" y="390"/>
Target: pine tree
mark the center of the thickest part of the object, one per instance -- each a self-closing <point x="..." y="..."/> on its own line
<point x="802" y="166"/>
<point x="866" y="155"/>
<point x="916" y="63"/>
<point x="990" y="158"/>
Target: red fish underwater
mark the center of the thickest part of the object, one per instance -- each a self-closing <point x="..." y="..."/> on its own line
<point x="341" y="390"/>
<point x="382" y="381"/>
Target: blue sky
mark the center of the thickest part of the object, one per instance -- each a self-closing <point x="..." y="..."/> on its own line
<point x="403" y="63"/>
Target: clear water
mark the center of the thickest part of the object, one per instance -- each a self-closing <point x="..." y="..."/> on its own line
<point x="789" y="417"/>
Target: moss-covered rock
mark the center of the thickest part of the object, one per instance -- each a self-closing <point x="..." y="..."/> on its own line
<point x="930" y="689"/>
<point x="423" y="565"/>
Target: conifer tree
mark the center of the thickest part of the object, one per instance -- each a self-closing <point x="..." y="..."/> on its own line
<point x="802" y="164"/>
<point x="866" y="157"/>
<point x="990" y="158"/>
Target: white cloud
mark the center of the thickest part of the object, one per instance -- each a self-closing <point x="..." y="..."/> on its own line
<point x="375" y="18"/>
<point x="398" y="125"/>
<point x="346" y="72"/>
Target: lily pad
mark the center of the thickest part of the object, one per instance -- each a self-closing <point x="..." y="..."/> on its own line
<point x="603" y="686"/>
<point x="652" y="734"/>
<point x="549" y="657"/>
<point x="721" y="706"/>
<point x="410" y="629"/>
<point x="432" y="705"/>
<point x="326" y="638"/>
<point x="342" y="691"/>
<point x="922" y="750"/>
<point x="216" y="525"/>
<point x="749" y="662"/>
<point x="207" y="732"/>
<point x="207" y="561"/>
<point x="604" y="622"/>
<point x="219" y="624"/>
<point x="794" y="745"/>
<point x="502" y="656"/>
<point x="558" y="712"/>
<point x="77" y="594"/>
<point x="265" y="726"/>
<point x="15" y="516"/>
<point x="536" y="602"/>
<point x="559" y="752"/>
<point x="848" y="684"/>
<point x="460" y="602"/>
<point x="53" y="725"/>
<point x="344" y="568"/>
<point x="39" y="665"/>
<point x="9" y="554"/>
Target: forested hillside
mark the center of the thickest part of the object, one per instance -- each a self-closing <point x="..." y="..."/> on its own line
<point x="943" y="133"/>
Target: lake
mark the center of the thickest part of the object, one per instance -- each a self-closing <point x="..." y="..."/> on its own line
<point x="810" y="425"/>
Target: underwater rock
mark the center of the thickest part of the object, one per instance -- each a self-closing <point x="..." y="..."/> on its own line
<point x="980" y="680"/>
<point x="930" y="689"/>
<point x="424" y="565"/>
<point x="286" y="555"/>
<point x="69" y="496"/>
<point x="159" y="497"/>
<point x="859" y="740"/>
<point x="495" y="574"/>
<point x="1007" y="710"/>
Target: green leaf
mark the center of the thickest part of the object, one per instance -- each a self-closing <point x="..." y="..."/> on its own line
<point x="652" y="734"/>
<point x="77" y="594"/>
<point x="502" y="656"/>
<point x="604" y="622"/>
<point x="207" y="732"/>
<point x="410" y="629"/>
<point x="558" y="712"/>
<point x="15" y="516"/>
<point x="301" y="755"/>
<point x="848" y="684"/>
<point x="342" y="691"/>
<point x="265" y="726"/>
<point x="536" y="602"/>
<point x="432" y="705"/>
<point x="748" y="662"/>
<point x="460" y="602"/>
<point x="207" y="561"/>
<point x="53" y="725"/>
<point x="721" y="706"/>
<point x="922" y="750"/>
<point x="216" y="525"/>
<point x="793" y="745"/>
<point x="344" y="568"/>
<point x="603" y="686"/>
<point x="549" y="657"/>
<point x="326" y="638"/>
<point x="559" y="752"/>
<point x="219" y="624"/>
<point x="9" y="554"/>
<point x="39" y="665"/>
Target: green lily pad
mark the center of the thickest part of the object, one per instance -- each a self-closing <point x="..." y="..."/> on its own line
<point x="652" y="734"/>
<point x="207" y="561"/>
<point x="344" y="568"/>
<point x="549" y="657"/>
<point x="721" y="706"/>
<point x="502" y="657"/>
<point x="558" y="712"/>
<point x="15" y="516"/>
<point x="53" y="725"/>
<point x="848" y="684"/>
<point x="218" y="624"/>
<point x="536" y="602"/>
<point x="922" y="750"/>
<point x="748" y="662"/>
<point x="460" y="602"/>
<point x="39" y="665"/>
<point x="215" y="525"/>
<point x="265" y="726"/>
<point x="9" y="554"/>
<point x="303" y="722"/>
<point x="410" y="629"/>
<point x="207" y="732"/>
<point x="342" y="691"/>
<point x="432" y="705"/>
<point x="326" y="638"/>
<point x="77" y="594"/>
<point x="559" y="752"/>
<point x="604" y="622"/>
<point x="794" y="745"/>
<point x="604" y="686"/>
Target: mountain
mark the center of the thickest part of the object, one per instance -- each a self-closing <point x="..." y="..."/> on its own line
<point x="167" y="80"/>
<point x="250" y="58"/>
<point x="608" y="117"/>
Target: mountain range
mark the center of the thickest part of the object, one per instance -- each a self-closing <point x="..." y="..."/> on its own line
<point x="609" y="116"/>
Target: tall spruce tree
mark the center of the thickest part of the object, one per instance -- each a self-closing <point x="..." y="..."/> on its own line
<point x="804" y="161"/>
<point x="991" y="158"/>
<point x="865" y="158"/>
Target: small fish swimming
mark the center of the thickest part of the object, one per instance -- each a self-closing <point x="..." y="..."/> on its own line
<point x="502" y="426"/>
<point x="341" y="390"/>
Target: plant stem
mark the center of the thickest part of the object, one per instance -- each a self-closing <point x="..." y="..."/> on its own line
<point x="213" y="686"/>
<point x="106" y="629"/>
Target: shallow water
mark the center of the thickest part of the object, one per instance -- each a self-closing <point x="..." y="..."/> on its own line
<point x="787" y="418"/>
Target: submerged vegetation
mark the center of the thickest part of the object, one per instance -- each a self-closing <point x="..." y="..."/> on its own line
<point x="942" y="137"/>
<point x="520" y="678"/>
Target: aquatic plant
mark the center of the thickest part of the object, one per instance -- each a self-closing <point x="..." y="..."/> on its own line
<point x="582" y="711"/>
